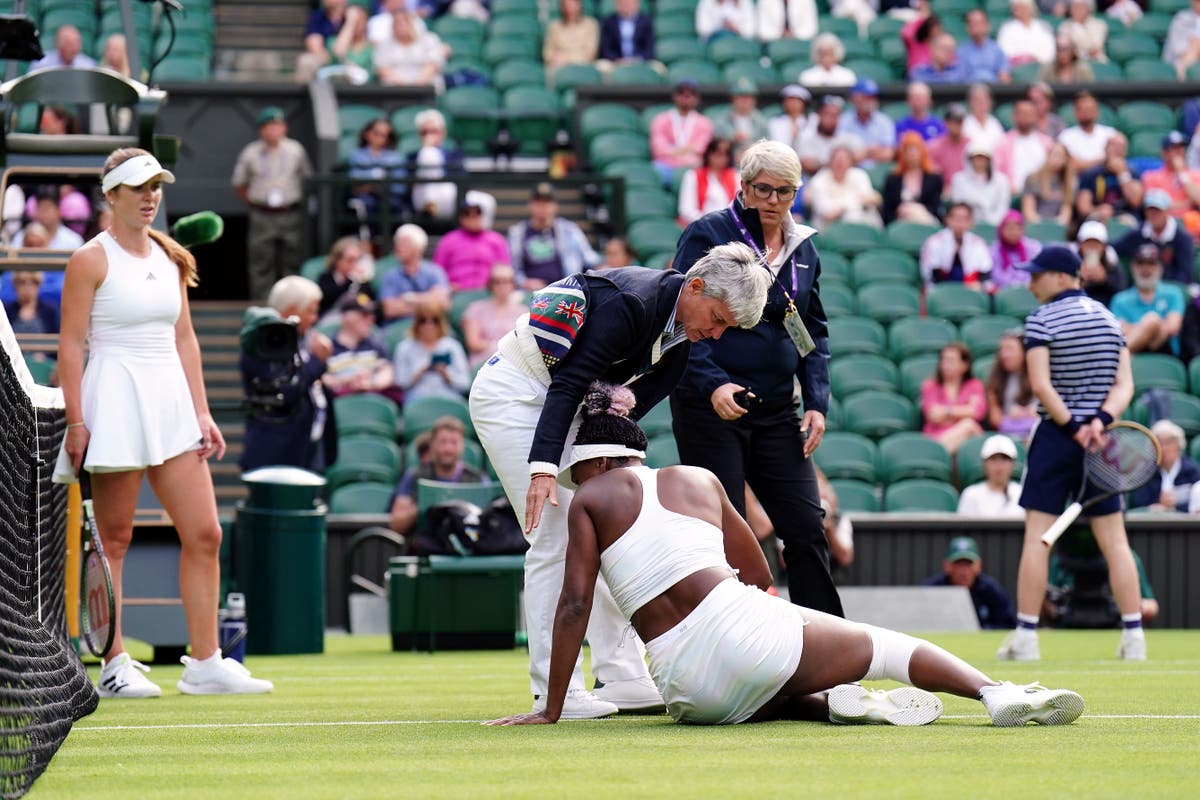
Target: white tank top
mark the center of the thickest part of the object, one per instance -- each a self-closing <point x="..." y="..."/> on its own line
<point x="136" y="306"/>
<point x="660" y="549"/>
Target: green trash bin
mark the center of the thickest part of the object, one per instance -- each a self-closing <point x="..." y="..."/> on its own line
<point x="280" y="561"/>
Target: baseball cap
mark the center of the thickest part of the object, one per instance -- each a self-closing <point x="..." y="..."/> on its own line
<point x="978" y="148"/>
<point x="742" y="87"/>
<point x="1054" y="258"/>
<point x="1174" y="139"/>
<point x="1147" y="252"/>
<point x="135" y="172"/>
<point x="833" y="100"/>
<point x="1157" y="198"/>
<point x="542" y="191"/>
<point x="686" y="83"/>
<point x="358" y="301"/>
<point x="865" y="86"/>
<point x="270" y="114"/>
<point x="956" y="111"/>
<point x="1092" y="229"/>
<point x="998" y="446"/>
<point x="796" y="90"/>
<point x="962" y="548"/>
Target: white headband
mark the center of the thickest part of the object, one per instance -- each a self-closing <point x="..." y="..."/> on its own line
<point x="135" y="172"/>
<point x="585" y="452"/>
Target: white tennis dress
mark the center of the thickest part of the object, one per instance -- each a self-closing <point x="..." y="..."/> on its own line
<point x="135" y="396"/>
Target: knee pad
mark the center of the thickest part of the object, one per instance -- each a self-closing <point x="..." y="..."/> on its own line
<point x="891" y="654"/>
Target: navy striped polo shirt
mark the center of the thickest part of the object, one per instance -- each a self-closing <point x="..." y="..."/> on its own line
<point x="1085" y="342"/>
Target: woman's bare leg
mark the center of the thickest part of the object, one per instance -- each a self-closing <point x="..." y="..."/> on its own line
<point x="114" y="501"/>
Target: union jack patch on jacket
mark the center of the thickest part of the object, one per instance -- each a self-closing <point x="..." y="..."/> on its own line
<point x="556" y="315"/>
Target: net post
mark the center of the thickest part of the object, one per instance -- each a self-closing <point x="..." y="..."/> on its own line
<point x="72" y="528"/>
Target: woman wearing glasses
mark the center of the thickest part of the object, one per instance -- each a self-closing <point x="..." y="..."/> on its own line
<point x="758" y="437"/>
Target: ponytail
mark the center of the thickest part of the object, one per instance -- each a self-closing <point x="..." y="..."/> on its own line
<point x="180" y="255"/>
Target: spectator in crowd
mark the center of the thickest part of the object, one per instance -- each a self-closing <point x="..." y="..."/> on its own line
<point x="918" y="35"/>
<point x="1126" y="12"/>
<point x="485" y="320"/>
<point x="955" y="253"/>
<point x="1067" y="66"/>
<point x="711" y="186"/>
<point x="377" y="159"/>
<point x="742" y="123"/>
<point x="842" y="192"/>
<point x="348" y="270"/>
<point x="469" y="252"/>
<point x="351" y="53"/>
<point x="48" y="213"/>
<point x="1176" y="248"/>
<point x="430" y="362"/>
<point x="795" y="19"/>
<point x="1182" y="46"/>
<point x="1011" y="406"/>
<point x="790" y="126"/>
<point x="546" y="247"/>
<point x="57" y="121"/>
<point x="412" y="57"/>
<point x="839" y="530"/>
<point x="75" y="209"/>
<point x="953" y="404"/>
<point x="1150" y="311"/>
<point x="1100" y="272"/>
<point x="867" y="123"/>
<point x="414" y="279"/>
<point x="1109" y="191"/>
<point x="1180" y="183"/>
<point x="1042" y="96"/>
<point x="1085" y="139"/>
<point x="715" y="18"/>
<point x="998" y="493"/>
<point x="827" y="69"/>
<point x="380" y="24"/>
<point x="1011" y="249"/>
<point x="919" y="120"/>
<point x="1171" y="488"/>
<point x="435" y="158"/>
<point x="979" y="57"/>
<point x="573" y="38"/>
<point x="618" y="253"/>
<point x="913" y="190"/>
<point x="115" y="55"/>
<point x="359" y="362"/>
<point x="817" y="145"/>
<point x="861" y="11"/>
<point x="963" y="567"/>
<point x="981" y="126"/>
<point x="1086" y="32"/>
<point x="679" y="135"/>
<point x="626" y="36"/>
<point x="325" y="24"/>
<point x="942" y="66"/>
<point x="447" y="442"/>
<point x="268" y="178"/>
<point x="1025" y="38"/>
<point x="1049" y="192"/>
<point x="981" y="187"/>
<point x="949" y="151"/>
<point x="1023" y="150"/>
<point x="67" y="52"/>
<point x="29" y="313"/>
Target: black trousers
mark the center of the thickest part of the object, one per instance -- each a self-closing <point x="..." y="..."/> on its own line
<point x="764" y="449"/>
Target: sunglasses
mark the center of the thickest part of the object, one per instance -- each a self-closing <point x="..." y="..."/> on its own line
<point x="763" y="191"/>
<point x="423" y="320"/>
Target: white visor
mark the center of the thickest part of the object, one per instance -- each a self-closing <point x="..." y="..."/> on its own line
<point x="135" y="172"/>
<point x="585" y="452"/>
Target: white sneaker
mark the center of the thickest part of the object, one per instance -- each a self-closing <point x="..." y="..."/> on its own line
<point x="1020" y="645"/>
<point x="636" y="694"/>
<point x="579" y="704"/>
<point x="216" y="675"/>
<point x="1011" y="705"/>
<point x="851" y="704"/>
<point x="1132" y="648"/>
<point x="122" y="677"/>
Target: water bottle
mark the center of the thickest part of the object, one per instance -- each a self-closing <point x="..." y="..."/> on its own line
<point x="232" y="621"/>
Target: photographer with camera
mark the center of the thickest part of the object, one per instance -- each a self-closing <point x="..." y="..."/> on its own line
<point x="290" y="415"/>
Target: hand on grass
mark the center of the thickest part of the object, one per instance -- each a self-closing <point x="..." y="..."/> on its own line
<point x="538" y="718"/>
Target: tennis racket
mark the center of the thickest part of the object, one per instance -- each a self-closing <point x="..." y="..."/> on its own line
<point x="1128" y="460"/>
<point x="97" y="603"/>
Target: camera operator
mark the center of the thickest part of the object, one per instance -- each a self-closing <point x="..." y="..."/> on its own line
<point x="290" y="415"/>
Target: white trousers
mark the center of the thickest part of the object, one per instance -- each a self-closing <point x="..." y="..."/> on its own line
<point x="506" y="403"/>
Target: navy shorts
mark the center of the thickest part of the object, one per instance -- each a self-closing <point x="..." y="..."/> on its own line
<point x="1053" y="470"/>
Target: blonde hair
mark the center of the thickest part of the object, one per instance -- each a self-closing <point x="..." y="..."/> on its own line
<point x="183" y="259"/>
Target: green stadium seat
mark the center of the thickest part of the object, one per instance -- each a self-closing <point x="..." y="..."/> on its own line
<point x="84" y="19"/>
<point x="835" y="267"/>
<point x="838" y="300"/>
<point x="920" y="495"/>
<point x="471" y="112"/>
<point x="885" y="27"/>
<point x="1158" y="370"/>
<point x="651" y="111"/>
<point x="856" y="335"/>
<point x="635" y="74"/>
<point x="727" y="49"/>
<point x="1153" y="24"/>
<point x="657" y="420"/>
<point x="694" y="69"/>
<point x="849" y="238"/>
<point x="884" y="266"/>
<point x="1027" y="72"/>
<point x="1046" y="231"/>
<point x="874" y="68"/>
<point x="533" y="116"/>
<point x="394" y="333"/>
<point x="912" y="336"/>
<point x="891" y="50"/>
<point x="1123" y="46"/>
<point x="654" y="235"/>
<point x="662" y="451"/>
<point x="855" y="496"/>
<point x="956" y="302"/>
<point x="420" y="414"/>
<point x="366" y="414"/>
<point x="985" y="231"/>
<point x="675" y="26"/>
<point x="1146" y="144"/>
<point x="782" y="51"/>
<point x="364" y="458"/>
<point x="909" y="454"/>
<point x="982" y="334"/>
<point x="527" y="28"/>
<point x="42" y="369"/>
<point x="371" y="497"/>
<point x="1141" y="115"/>
<point x="1193" y="369"/>
<point x="431" y="493"/>
<point x="514" y="8"/>
<point x="519" y="72"/>
<point x="833" y="416"/>
<point x="860" y="372"/>
<point x="1107" y="71"/>
<point x="1015" y="301"/>
<point x="498" y="49"/>
<point x="878" y="414"/>
<point x="678" y="48"/>
<point x="354" y="117"/>
<point x="888" y="302"/>
<point x="909" y="236"/>
<point x="749" y="70"/>
<point x="1184" y="411"/>
<point x="675" y="7"/>
<point x="450" y="25"/>
<point x="637" y="174"/>
<point x="914" y="371"/>
<point x="189" y="44"/>
<point x="569" y="76"/>
<point x="790" y="71"/>
<point x="659" y="260"/>
<point x="649" y="203"/>
<point x="404" y="120"/>
<point x="970" y="466"/>
<point x="842" y="27"/>
<point x="1148" y="69"/>
<point x="184" y="69"/>
<point x="605" y="117"/>
<point x="609" y="147"/>
<point x="847" y="456"/>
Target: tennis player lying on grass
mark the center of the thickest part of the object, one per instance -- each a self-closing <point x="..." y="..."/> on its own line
<point x="688" y="573"/>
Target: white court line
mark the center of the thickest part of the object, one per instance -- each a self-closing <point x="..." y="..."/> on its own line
<point x="393" y="722"/>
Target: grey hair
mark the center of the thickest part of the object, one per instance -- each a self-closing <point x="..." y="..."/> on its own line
<point x="1165" y="429"/>
<point x="431" y="116"/>
<point x="414" y="233"/>
<point x="293" y="291"/>
<point x="829" y="40"/>
<point x="776" y="158"/>
<point x="733" y="274"/>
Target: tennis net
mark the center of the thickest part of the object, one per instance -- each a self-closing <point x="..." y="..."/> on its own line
<point x="43" y="686"/>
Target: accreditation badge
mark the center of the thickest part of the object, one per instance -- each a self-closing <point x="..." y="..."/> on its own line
<point x="797" y="332"/>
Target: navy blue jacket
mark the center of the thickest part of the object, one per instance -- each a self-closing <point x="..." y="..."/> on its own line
<point x="628" y="310"/>
<point x="643" y="38"/>
<point x="993" y="606"/>
<point x="287" y="438"/>
<point x="1189" y="473"/>
<point x="1177" y="256"/>
<point x="764" y="357"/>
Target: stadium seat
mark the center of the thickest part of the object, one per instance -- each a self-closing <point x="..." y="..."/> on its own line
<point x="781" y="51"/>
<point x="1182" y="409"/>
<point x="1046" y="231"/>
<point x="498" y="49"/>
<point x="878" y="414"/>
<point x="42" y="369"/>
<point x="678" y="48"/>
<point x="982" y="334"/>
<point x="637" y="174"/>
<point x="366" y="414"/>
<point x="912" y="455"/>
<point x="835" y="267"/>
<point x="1146" y="144"/>
<point x="635" y="74"/>
<point x="855" y="495"/>
<point x="1027" y="72"/>
<point x="985" y="231"/>
<point x="657" y="420"/>
<point x="1140" y="115"/>
<point x="790" y="71"/>
<point x="396" y="331"/>
<point x="650" y="112"/>
<point x="919" y="494"/>
<point x="885" y="27"/>
<point x="519" y="72"/>
<point x="888" y="302"/>
<point x="849" y="238"/>
<point x="533" y="117"/>
<point x="605" y="117"/>
<point x="749" y="70"/>
<point x="842" y="27"/>
<point x="912" y="336"/>
<point x="969" y="465"/>
<point x="649" y="203"/>
<point x="726" y="49"/>
<point x="612" y="146"/>
<point x="1158" y="370"/>
<point x="847" y="456"/>
<point x="883" y="265"/>
<point x="1153" y="24"/>
<point x="1123" y="46"/>
<point x="675" y="25"/>
<point x="472" y="115"/>
<point x="370" y="497"/>
<point x="354" y="117"/>
<point x="1193" y="369"/>
<point x="661" y="451"/>
<point x="876" y="69"/>
<point x="519" y="26"/>
<point x="1148" y="69"/>
<point x="569" y="76"/>
<point x="838" y="300"/>
<point x="514" y="8"/>
<point x="1015" y="301"/>
<point x="856" y="335"/>
<point x="956" y="302"/>
<point x="694" y="69"/>
<point x="419" y="415"/>
<point x="364" y="458"/>
<point x="450" y="25"/>
<point x="909" y="236"/>
<point x="653" y="235"/>
<point x="914" y="371"/>
<point x="860" y="372"/>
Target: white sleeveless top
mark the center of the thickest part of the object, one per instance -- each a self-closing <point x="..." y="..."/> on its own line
<point x="660" y="549"/>
<point x="136" y="402"/>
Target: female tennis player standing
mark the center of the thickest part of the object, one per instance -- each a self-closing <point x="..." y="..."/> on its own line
<point x="1079" y="369"/>
<point x="140" y="407"/>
